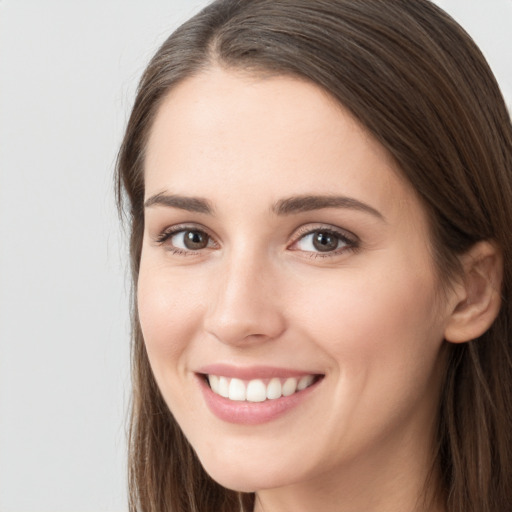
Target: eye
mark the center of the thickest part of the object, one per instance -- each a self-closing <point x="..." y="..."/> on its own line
<point x="192" y="240"/>
<point x="183" y="240"/>
<point x="323" y="241"/>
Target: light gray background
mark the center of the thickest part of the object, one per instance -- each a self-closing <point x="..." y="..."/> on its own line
<point x="68" y="71"/>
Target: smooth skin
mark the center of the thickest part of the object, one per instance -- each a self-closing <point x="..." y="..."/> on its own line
<point x="234" y="277"/>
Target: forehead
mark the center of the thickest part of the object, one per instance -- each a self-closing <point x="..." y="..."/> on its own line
<point x="278" y="135"/>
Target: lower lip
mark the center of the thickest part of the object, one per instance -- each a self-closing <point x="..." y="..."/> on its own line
<point x="252" y="413"/>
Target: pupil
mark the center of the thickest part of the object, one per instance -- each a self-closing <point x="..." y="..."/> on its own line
<point x="195" y="240"/>
<point x="325" y="242"/>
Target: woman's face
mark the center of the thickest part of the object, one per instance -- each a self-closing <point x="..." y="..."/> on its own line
<point x="286" y="261"/>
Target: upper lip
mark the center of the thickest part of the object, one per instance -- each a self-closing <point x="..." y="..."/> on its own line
<point x="252" y="372"/>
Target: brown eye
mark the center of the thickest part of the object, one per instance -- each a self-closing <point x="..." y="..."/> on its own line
<point x="324" y="241"/>
<point x="195" y="240"/>
<point x="185" y="240"/>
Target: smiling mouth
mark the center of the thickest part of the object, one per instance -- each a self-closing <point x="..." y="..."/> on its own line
<point x="259" y="390"/>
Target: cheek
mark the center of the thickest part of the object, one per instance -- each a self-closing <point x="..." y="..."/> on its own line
<point x="374" y="321"/>
<point x="383" y="339"/>
<point x="168" y="313"/>
<point x="169" y="318"/>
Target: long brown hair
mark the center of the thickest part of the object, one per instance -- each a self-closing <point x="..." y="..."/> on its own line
<point x="419" y="84"/>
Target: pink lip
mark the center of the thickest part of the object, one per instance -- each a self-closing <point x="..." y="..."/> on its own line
<point x="251" y="372"/>
<point x="251" y="413"/>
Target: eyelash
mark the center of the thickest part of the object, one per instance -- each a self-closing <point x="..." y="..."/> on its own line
<point x="350" y="241"/>
<point x="168" y="233"/>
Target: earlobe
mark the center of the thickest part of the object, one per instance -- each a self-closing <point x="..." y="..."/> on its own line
<point x="479" y="293"/>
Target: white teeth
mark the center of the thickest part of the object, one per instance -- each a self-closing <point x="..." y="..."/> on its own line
<point x="255" y="390"/>
<point x="224" y="387"/>
<point x="274" y="389"/>
<point x="305" y="382"/>
<point x="214" y="383"/>
<point x="290" y="386"/>
<point x="237" y="390"/>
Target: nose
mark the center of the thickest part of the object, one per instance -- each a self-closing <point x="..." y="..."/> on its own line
<point x="245" y="307"/>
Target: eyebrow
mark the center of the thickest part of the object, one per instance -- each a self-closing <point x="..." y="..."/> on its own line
<point x="288" y="206"/>
<point x="308" y="203"/>
<point x="191" y="204"/>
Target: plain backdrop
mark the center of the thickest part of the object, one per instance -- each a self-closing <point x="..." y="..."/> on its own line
<point x="68" y="72"/>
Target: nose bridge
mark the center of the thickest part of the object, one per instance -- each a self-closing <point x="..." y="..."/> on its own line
<point x="244" y="306"/>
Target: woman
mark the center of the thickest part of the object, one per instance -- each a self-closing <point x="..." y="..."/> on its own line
<point x="320" y="198"/>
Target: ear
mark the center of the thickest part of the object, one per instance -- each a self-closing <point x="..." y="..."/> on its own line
<point x="477" y="296"/>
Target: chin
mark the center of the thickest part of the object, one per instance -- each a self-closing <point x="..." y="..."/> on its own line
<point x="241" y="482"/>
<point x="247" y="476"/>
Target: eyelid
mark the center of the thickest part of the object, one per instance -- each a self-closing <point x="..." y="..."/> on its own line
<point x="352" y="241"/>
<point x="306" y="229"/>
<point x="165" y="234"/>
<point x="350" y="238"/>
